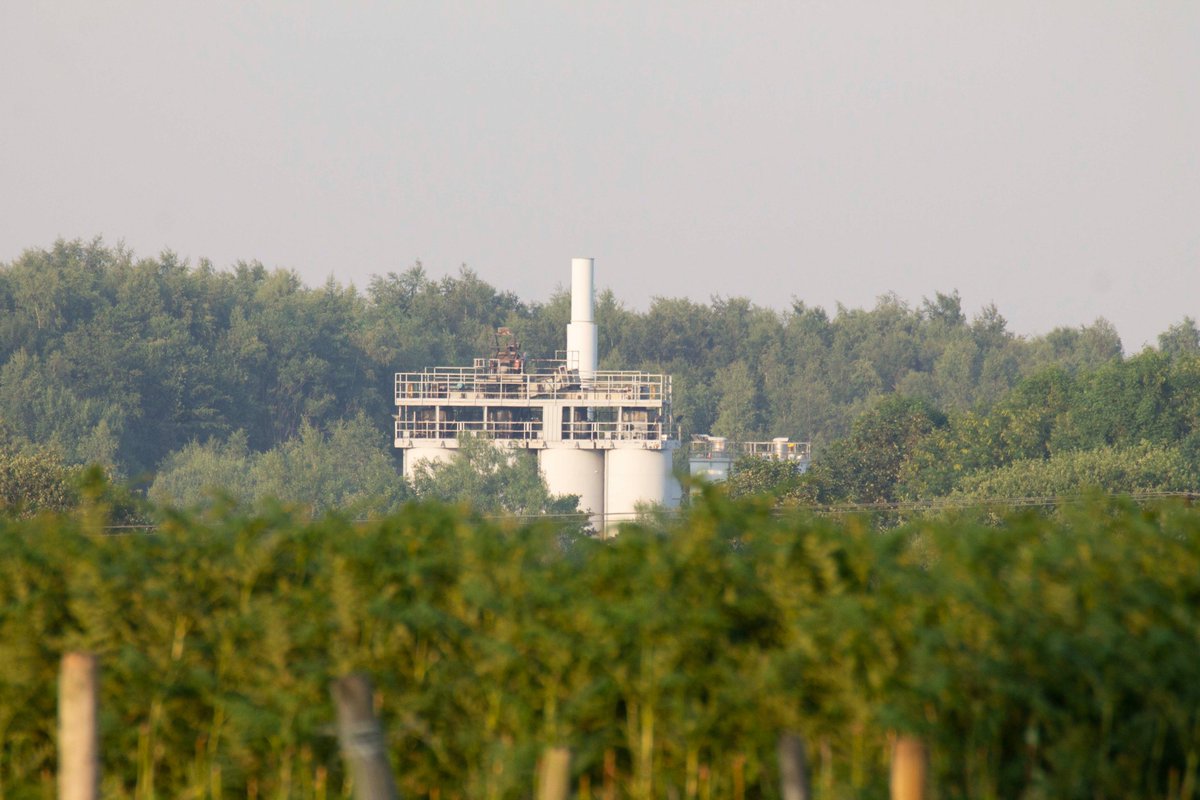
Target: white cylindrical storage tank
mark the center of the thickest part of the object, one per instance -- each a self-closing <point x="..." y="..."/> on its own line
<point x="571" y="471"/>
<point x="634" y="478"/>
<point x="582" y="341"/>
<point x="430" y="455"/>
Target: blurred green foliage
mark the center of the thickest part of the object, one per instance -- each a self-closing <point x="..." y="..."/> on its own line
<point x="1047" y="656"/>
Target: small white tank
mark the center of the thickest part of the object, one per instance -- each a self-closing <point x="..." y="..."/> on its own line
<point x="581" y="472"/>
<point x="635" y="477"/>
<point x="433" y="455"/>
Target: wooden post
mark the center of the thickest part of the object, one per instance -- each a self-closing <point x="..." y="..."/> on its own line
<point x="78" y="728"/>
<point x="793" y="768"/>
<point x="361" y="738"/>
<point x="609" y="789"/>
<point x="910" y="765"/>
<point x="704" y="779"/>
<point x="554" y="774"/>
<point x="826" y="767"/>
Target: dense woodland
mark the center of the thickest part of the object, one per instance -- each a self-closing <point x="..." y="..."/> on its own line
<point x="180" y="377"/>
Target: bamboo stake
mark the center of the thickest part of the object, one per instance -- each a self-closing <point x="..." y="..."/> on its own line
<point x="554" y="774"/>
<point x="910" y="766"/>
<point x="609" y="789"/>
<point x="361" y="739"/>
<point x="691" y="767"/>
<point x="826" y="767"/>
<point x="793" y="768"/>
<point x="78" y="728"/>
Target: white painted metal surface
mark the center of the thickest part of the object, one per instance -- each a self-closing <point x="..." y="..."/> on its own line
<point x="431" y="455"/>
<point x="581" y="472"/>
<point x="634" y="477"/>
<point x="713" y="468"/>
<point x="582" y="340"/>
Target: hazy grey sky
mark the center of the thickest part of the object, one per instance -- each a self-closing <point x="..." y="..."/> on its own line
<point x="1042" y="155"/>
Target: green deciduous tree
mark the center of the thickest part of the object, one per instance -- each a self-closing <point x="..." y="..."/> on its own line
<point x="762" y="476"/>
<point x="491" y="478"/>
<point x="1140" y="468"/>
<point x="738" y="406"/>
<point x="36" y="480"/>
<point x="1182" y="338"/>
<point x="196" y="474"/>
<point x="345" y="467"/>
<point x="866" y="466"/>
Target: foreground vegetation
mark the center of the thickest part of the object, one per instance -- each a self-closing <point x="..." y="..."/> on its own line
<point x="1047" y="656"/>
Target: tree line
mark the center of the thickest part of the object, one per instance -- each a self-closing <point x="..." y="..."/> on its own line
<point x="161" y="370"/>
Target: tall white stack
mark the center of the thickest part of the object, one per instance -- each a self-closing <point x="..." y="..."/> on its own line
<point x="582" y="341"/>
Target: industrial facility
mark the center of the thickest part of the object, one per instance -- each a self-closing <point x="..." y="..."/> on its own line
<point x="605" y="436"/>
<point x="714" y="458"/>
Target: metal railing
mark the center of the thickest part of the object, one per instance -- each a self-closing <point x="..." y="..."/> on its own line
<point x="464" y="383"/>
<point x="508" y="430"/>
<point x="526" y="431"/>
<point x="714" y="448"/>
<point x="618" y="431"/>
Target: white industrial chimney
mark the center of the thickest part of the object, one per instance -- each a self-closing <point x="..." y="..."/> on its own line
<point x="582" y="343"/>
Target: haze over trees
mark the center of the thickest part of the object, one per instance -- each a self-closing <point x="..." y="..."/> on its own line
<point x="181" y="377"/>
